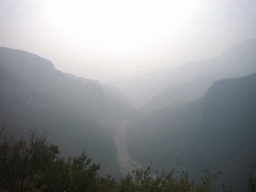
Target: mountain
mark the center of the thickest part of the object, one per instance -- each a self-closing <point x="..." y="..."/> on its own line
<point x="216" y="131"/>
<point x="163" y="87"/>
<point x="75" y="113"/>
<point x="183" y="93"/>
<point x="192" y="120"/>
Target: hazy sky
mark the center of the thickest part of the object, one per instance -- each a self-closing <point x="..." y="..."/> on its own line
<point x="115" y="38"/>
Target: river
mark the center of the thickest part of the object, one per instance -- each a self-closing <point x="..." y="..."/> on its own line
<point x="124" y="159"/>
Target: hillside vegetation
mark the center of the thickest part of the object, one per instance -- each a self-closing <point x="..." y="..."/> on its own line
<point x="34" y="166"/>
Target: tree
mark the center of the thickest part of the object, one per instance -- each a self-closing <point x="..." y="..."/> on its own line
<point x="252" y="179"/>
<point x="33" y="165"/>
<point x="23" y="162"/>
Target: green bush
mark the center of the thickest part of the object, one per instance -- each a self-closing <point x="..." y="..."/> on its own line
<point x="34" y="166"/>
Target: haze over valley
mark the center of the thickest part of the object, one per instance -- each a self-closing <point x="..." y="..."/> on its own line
<point x="177" y="96"/>
<point x="199" y="115"/>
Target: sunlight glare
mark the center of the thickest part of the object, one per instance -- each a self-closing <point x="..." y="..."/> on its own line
<point x="119" y="28"/>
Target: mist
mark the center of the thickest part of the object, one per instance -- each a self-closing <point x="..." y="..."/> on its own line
<point x="128" y="84"/>
<point x="107" y="40"/>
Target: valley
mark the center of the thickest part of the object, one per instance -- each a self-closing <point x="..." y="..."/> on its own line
<point x="191" y="117"/>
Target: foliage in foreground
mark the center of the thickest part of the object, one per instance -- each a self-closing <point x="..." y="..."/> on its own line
<point x="33" y="166"/>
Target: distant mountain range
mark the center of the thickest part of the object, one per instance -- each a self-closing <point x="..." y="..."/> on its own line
<point x="188" y="81"/>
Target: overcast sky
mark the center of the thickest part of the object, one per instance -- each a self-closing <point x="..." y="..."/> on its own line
<point x="100" y="39"/>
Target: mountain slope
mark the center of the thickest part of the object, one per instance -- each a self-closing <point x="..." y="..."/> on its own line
<point x="216" y="131"/>
<point x="74" y="113"/>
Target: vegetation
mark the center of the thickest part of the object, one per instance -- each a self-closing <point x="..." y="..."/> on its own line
<point x="34" y="166"/>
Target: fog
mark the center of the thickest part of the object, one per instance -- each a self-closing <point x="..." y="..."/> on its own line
<point x="170" y="84"/>
<point x="104" y="40"/>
